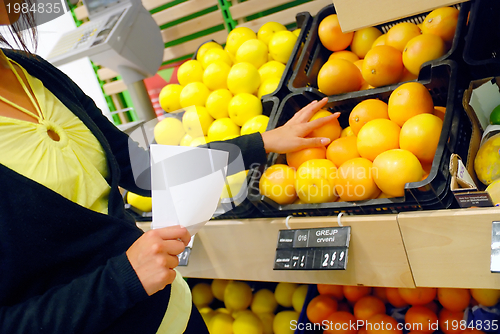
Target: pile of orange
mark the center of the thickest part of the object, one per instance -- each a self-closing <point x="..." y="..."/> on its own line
<point x="386" y="146"/>
<point x="367" y="58"/>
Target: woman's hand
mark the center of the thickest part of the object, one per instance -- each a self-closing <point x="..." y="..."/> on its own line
<point x="154" y="256"/>
<point x="291" y="136"/>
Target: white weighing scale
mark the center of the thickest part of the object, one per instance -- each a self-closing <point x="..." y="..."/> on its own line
<point x="122" y="36"/>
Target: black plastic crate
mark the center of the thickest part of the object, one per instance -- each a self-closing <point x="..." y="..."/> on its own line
<point x="446" y="88"/>
<point x="482" y="43"/>
<point x="315" y="54"/>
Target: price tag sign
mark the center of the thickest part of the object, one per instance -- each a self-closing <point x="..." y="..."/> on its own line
<point x="495" y="247"/>
<point x="323" y="248"/>
<point x="184" y="256"/>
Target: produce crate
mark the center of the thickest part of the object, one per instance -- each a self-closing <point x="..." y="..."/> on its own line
<point x="446" y="88"/>
<point x="315" y="54"/>
<point x="482" y="43"/>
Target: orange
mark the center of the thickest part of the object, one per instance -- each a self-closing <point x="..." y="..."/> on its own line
<point x="427" y="169"/>
<point x="359" y="65"/>
<point x="341" y="322"/>
<point x="400" y="34"/>
<point x="315" y="181"/>
<point x="379" y="41"/>
<point x="295" y="159"/>
<point x="363" y="40"/>
<point x="394" y="298"/>
<point x="392" y="170"/>
<point x="420" y="135"/>
<point x="362" y="331"/>
<point x="421" y="319"/>
<point x="439" y="112"/>
<point x="382" y="65"/>
<point x="377" y="136"/>
<point x="344" y="54"/>
<point x="329" y="130"/>
<point x="486" y="297"/>
<point x="353" y="293"/>
<point x="408" y="100"/>
<point x="366" y="111"/>
<point x="449" y="321"/>
<point x="347" y="132"/>
<point x="382" y="324"/>
<point x="418" y="296"/>
<point x="441" y="22"/>
<point x="421" y="49"/>
<point x="338" y="76"/>
<point x="320" y="308"/>
<point x="332" y="290"/>
<point x="380" y="293"/>
<point x="342" y="149"/>
<point x="355" y="183"/>
<point x="278" y="183"/>
<point x="453" y="299"/>
<point x="368" y="306"/>
<point x="407" y="76"/>
<point x="331" y="35"/>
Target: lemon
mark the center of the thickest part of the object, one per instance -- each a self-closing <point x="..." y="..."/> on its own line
<point x="243" y="107"/>
<point x="248" y="323"/>
<point x="231" y="137"/>
<point x="205" y="47"/>
<point x="142" y="203"/>
<point x="494" y="190"/>
<point x="202" y="295"/>
<point x="213" y="55"/>
<point x="284" y="293"/>
<point x="282" y="322"/>
<point x="190" y="71"/>
<point x="347" y="132"/>
<point x="299" y="297"/>
<point x="194" y="94"/>
<point x="196" y="121"/>
<point x="281" y="45"/>
<point x="268" y="86"/>
<point x="271" y="69"/>
<point x="207" y="314"/>
<point x="237" y="37"/>
<point x="264" y="301"/>
<point x="296" y="32"/>
<point x="268" y="29"/>
<point x="169" y="131"/>
<point x="233" y="185"/>
<point x="217" y="103"/>
<point x="186" y="140"/>
<point x="215" y="75"/>
<point x="255" y="124"/>
<point x="231" y="56"/>
<point x="267" y="322"/>
<point x="243" y="78"/>
<point x="221" y="323"/>
<point x="252" y="51"/>
<point x="236" y="314"/>
<point x="237" y="296"/>
<point x="221" y="128"/>
<point x="170" y="98"/>
<point x="198" y="141"/>
<point x="223" y="310"/>
<point x="218" y="286"/>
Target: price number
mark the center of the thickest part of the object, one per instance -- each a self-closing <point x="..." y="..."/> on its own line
<point x="332" y="259"/>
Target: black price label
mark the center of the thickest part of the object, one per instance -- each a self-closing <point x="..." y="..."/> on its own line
<point x="184" y="256"/>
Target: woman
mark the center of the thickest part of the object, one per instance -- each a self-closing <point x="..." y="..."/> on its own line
<point x="71" y="259"/>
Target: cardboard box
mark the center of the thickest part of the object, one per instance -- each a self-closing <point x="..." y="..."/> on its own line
<point x="356" y="14"/>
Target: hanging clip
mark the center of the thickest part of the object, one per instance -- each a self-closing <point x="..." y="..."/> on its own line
<point x="286" y="222"/>
<point x="338" y="219"/>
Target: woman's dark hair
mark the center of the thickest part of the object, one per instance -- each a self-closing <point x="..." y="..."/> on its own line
<point x="23" y="28"/>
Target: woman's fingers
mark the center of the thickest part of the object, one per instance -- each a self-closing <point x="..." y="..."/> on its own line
<point x="310" y="126"/>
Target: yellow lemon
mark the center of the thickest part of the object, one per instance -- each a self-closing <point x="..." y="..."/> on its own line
<point x="282" y="321"/>
<point x="142" y="203"/>
<point x="271" y="69"/>
<point x="221" y="128"/>
<point x="238" y="313"/>
<point x="268" y="86"/>
<point x="170" y="98"/>
<point x="199" y="141"/>
<point x="347" y="132"/>
<point x="268" y="29"/>
<point x="223" y="310"/>
<point x="213" y="55"/>
<point x="194" y="94"/>
<point x="207" y="314"/>
<point x="363" y="40"/>
<point x="248" y="323"/>
<point x="231" y="56"/>
<point x="190" y="71"/>
<point x="205" y="47"/>
<point x="252" y="51"/>
<point x="255" y="124"/>
<point x="169" y="131"/>
<point x="217" y="103"/>
<point x="231" y="137"/>
<point x="299" y="297"/>
<point x="186" y="140"/>
<point x="494" y="190"/>
<point x="264" y="301"/>
<point x="281" y="45"/>
<point x="218" y="287"/>
<point x="243" y="107"/>
<point x="202" y="295"/>
<point x="296" y="32"/>
<point x="196" y="121"/>
<point x="221" y="323"/>
<point x="243" y="78"/>
<point x="215" y="75"/>
<point x="237" y="37"/>
<point x="234" y="183"/>
<point x="267" y="322"/>
<point x="284" y="293"/>
<point x="237" y="296"/>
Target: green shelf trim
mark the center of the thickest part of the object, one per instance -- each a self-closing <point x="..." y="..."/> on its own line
<point x="165" y="6"/>
<point x="276" y="9"/>
<point x="178" y="59"/>
<point x="195" y="35"/>
<point x="229" y="23"/>
<point x="189" y="17"/>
